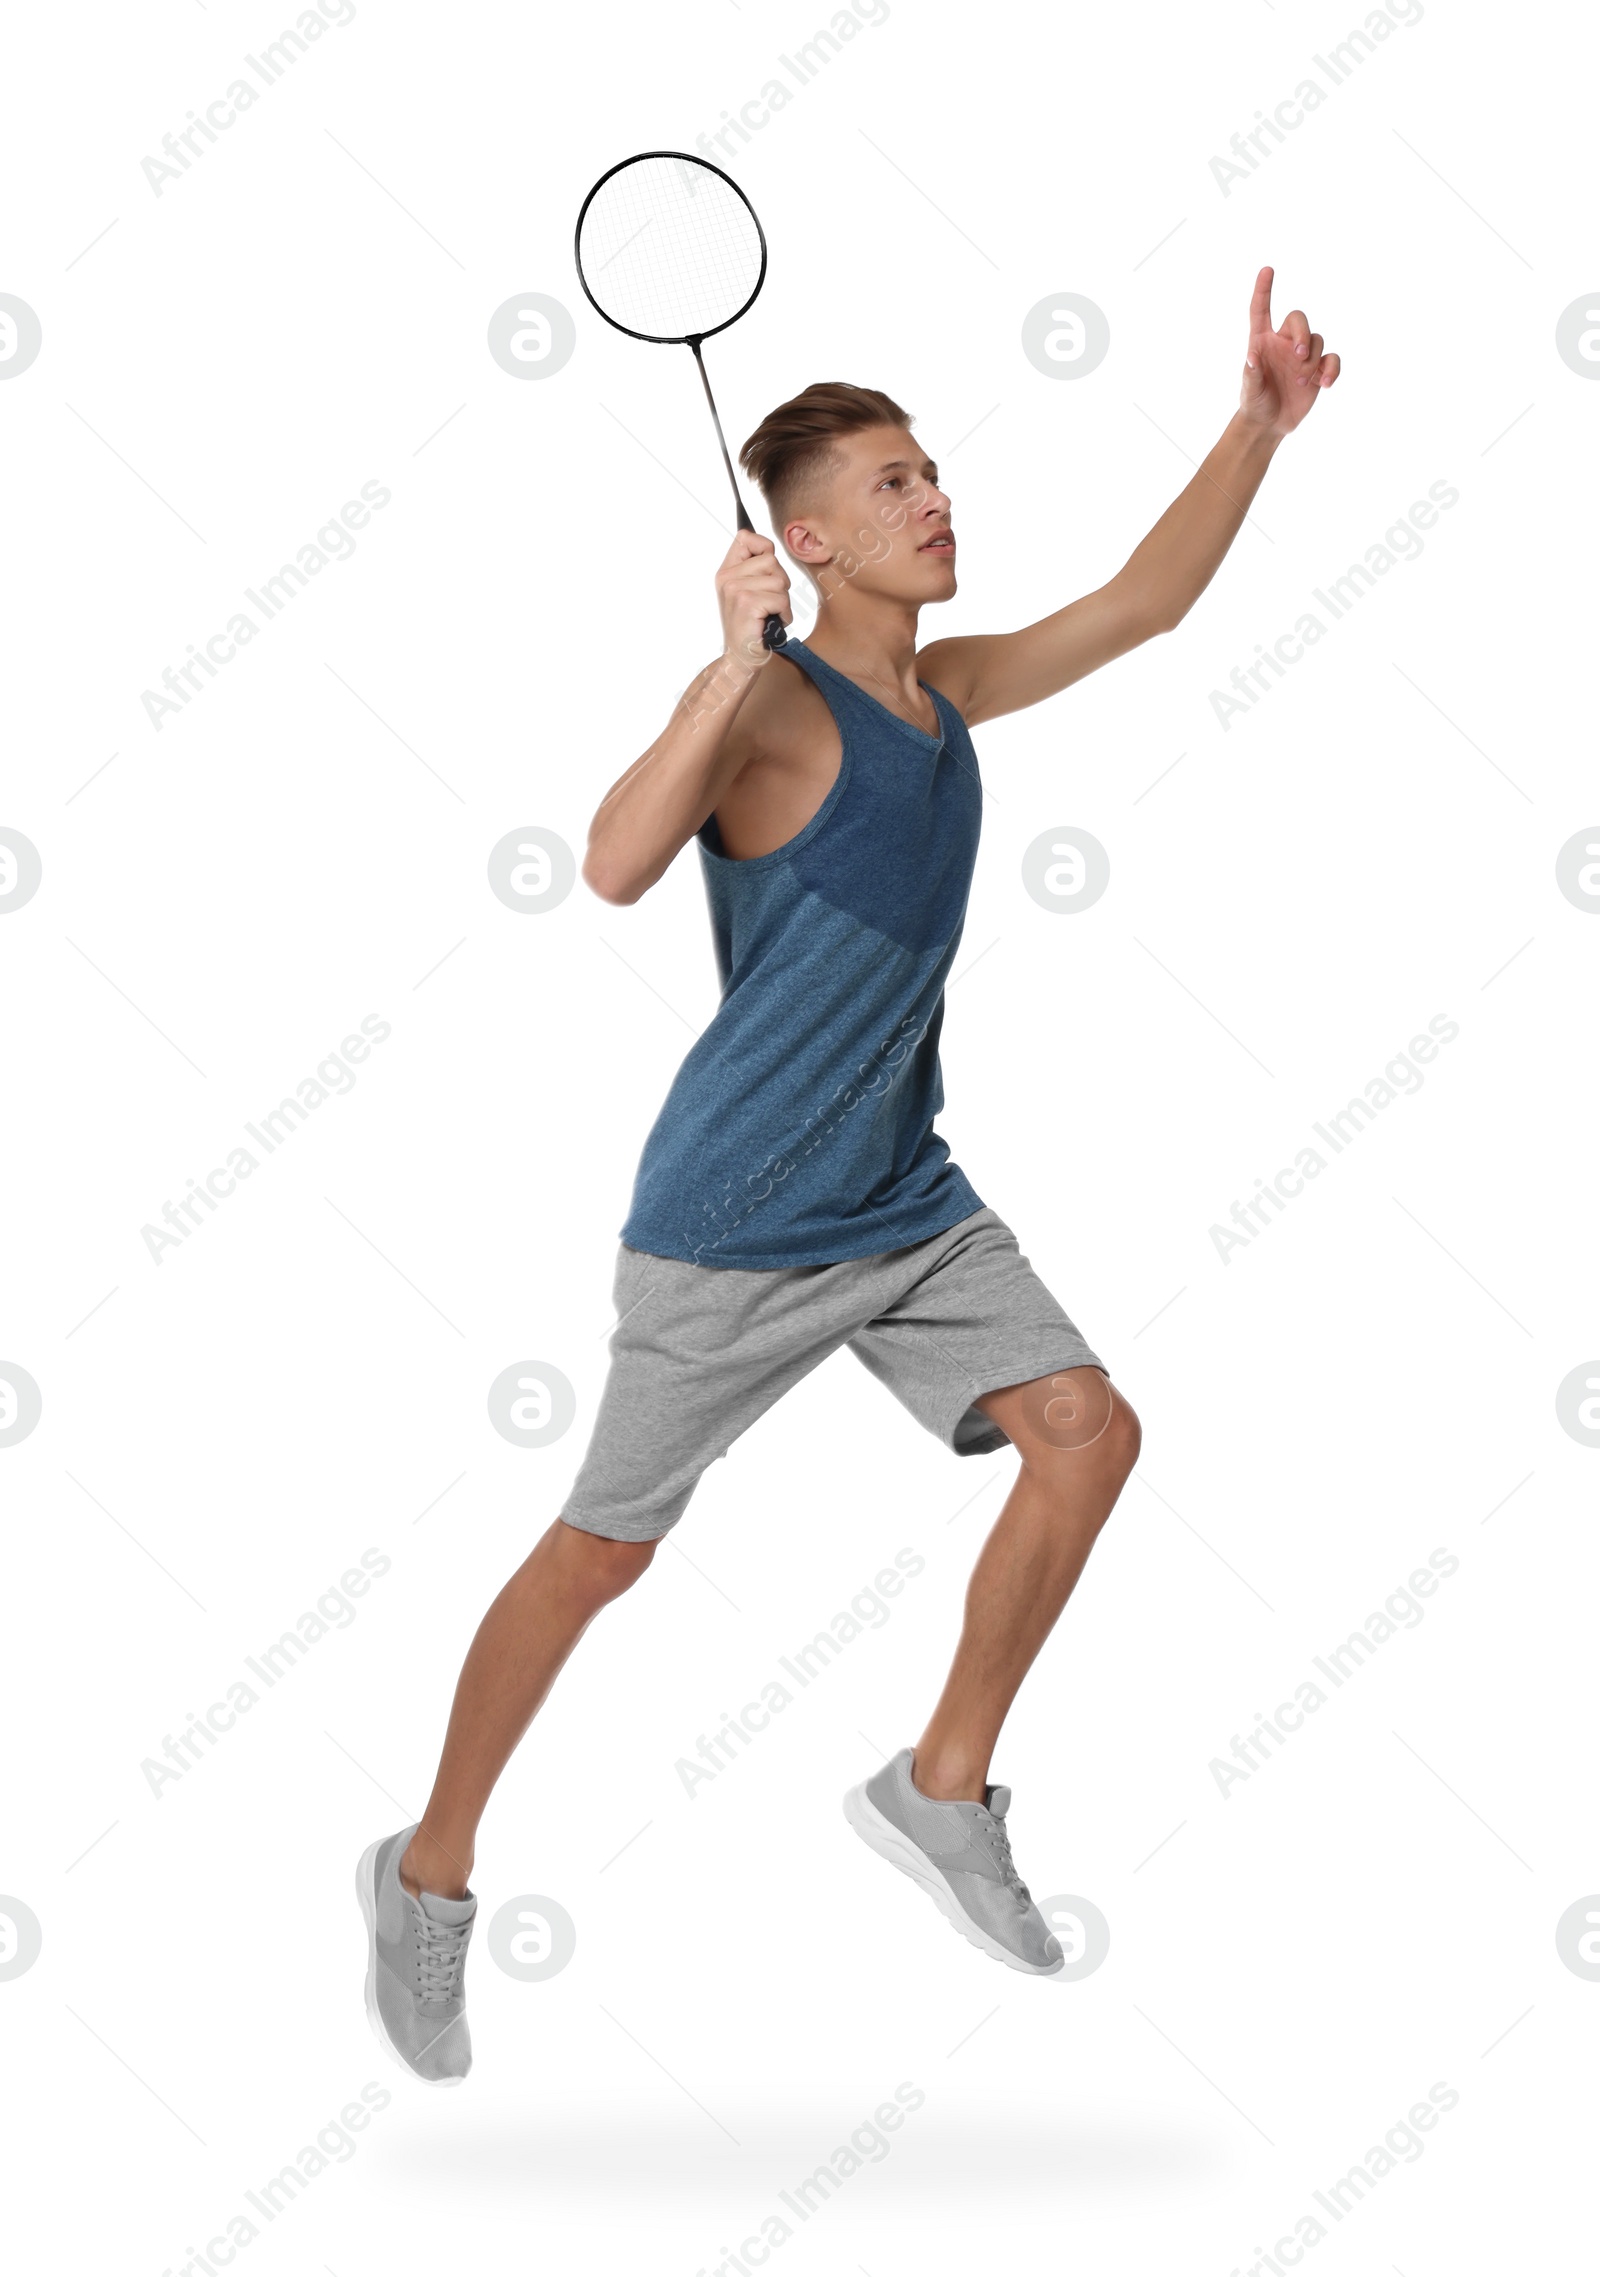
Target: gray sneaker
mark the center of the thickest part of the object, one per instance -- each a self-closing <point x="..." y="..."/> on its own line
<point x="415" y="1957"/>
<point x="960" y="1853"/>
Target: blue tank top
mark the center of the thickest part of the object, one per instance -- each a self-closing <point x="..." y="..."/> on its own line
<point x="799" y="1129"/>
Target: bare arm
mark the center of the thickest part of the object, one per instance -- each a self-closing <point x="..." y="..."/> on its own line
<point x="652" y="811"/>
<point x="986" y="675"/>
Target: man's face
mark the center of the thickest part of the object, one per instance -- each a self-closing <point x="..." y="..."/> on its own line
<point x="878" y="520"/>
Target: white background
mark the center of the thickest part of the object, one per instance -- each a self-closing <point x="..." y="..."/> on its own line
<point x="1292" y="1964"/>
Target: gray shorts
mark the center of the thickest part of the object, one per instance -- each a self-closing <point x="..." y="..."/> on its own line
<point x="700" y="1351"/>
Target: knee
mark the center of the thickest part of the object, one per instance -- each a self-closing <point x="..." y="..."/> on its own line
<point x="1088" y="1440"/>
<point x="1112" y="1450"/>
<point x="599" y="1567"/>
<point x="1125" y="1435"/>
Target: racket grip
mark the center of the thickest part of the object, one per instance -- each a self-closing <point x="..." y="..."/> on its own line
<point x="773" y="634"/>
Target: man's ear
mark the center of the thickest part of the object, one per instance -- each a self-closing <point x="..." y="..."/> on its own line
<point x="803" y="542"/>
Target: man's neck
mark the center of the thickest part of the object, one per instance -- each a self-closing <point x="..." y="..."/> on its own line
<point x="870" y="637"/>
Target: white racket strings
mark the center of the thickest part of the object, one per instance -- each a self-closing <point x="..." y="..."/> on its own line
<point x="669" y="249"/>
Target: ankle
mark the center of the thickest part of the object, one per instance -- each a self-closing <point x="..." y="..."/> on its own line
<point x="427" y="1865"/>
<point x="948" y="1777"/>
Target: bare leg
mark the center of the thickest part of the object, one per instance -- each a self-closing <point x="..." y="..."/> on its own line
<point x="521" y="1644"/>
<point x="1078" y="1439"/>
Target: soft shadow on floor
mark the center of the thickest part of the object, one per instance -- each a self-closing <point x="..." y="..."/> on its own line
<point x="949" y="2156"/>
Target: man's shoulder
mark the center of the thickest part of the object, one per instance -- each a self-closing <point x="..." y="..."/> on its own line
<point x="783" y="717"/>
<point x="949" y="665"/>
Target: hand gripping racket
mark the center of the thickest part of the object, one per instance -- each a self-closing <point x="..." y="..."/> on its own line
<point x="669" y="249"/>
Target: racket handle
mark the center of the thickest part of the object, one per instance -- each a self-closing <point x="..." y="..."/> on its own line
<point x="773" y="634"/>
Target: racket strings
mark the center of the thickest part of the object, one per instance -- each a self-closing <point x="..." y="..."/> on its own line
<point x="669" y="249"/>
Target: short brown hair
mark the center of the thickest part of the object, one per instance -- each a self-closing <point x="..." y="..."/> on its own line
<point x="795" y="442"/>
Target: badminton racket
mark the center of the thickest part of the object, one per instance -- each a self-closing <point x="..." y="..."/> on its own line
<point x="669" y="249"/>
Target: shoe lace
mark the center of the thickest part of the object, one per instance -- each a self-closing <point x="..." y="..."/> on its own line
<point x="441" y="1950"/>
<point x="1007" y="1864"/>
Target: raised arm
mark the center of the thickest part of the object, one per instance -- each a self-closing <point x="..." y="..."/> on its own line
<point x="653" y="810"/>
<point x="987" y="674"/>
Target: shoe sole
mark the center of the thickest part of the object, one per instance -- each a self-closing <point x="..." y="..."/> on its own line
<point x="367" y="1899"/>
<point x="881" y="1835"/>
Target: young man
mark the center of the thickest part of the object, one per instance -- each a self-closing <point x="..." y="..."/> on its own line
<point x="792" y="1196"/>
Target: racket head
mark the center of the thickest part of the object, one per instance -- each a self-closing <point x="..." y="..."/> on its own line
<point x="668" y="248"/>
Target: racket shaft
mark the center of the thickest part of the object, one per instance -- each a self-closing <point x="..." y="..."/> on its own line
<point x="744" y="522"/>
<point x="772" y="632"/>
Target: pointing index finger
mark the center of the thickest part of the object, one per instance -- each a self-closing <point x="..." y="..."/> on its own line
<point x="1261" y="304"/>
